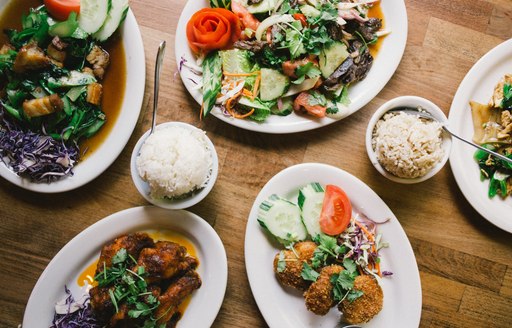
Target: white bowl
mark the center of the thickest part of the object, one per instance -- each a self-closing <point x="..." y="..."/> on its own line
<point x="413" y="102"/>
<point x="144" y="189"/>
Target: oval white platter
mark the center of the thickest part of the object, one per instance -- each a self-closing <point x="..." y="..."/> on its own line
<point x="84" y="249"/>
<point x="97" y="162"/>
<point x="478" y="85"/>
<point x="384" y="66"/>
<point x="284" y="307"/>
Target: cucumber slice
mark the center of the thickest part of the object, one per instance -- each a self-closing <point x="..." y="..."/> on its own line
<point x="311" y="199"/>
<point x="282" y="219"/>
<point x="331" y="58"/>
<point x="264" y="6"/>
<point x="286" y="107"/>
<point x="115" y="17"/>
<point x="93" y="14"/>
<point x="273" y="84"/>
<point x="66" y="28"/>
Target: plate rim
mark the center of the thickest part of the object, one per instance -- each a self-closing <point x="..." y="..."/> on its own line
<point x="147" y="212"/>
<point x="102" y="158"/>
<point x="305" y="123"/>
<point x="264" y="307"/>
<point x="455" y="118"/>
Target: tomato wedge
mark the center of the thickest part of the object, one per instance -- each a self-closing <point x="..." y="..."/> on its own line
<point x="60" y="9"/>
<point x="336" y="211"/>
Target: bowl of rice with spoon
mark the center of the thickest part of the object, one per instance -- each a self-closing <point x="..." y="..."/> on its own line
<point x="404" y="147"/>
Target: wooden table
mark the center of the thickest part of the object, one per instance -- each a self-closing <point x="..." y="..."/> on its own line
<point x="465" y="262"/>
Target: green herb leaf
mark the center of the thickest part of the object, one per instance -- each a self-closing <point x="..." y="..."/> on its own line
<point x="308" y="273"/>
<point x="281" y="263"/>
<point x="120" y="256"/>
<point x="507" y="96"/>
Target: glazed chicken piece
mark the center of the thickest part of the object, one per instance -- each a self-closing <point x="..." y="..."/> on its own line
<point x="175" y="294"/>
<point x="99" y="59"/>
<point x="163" y="261"/>
<point x="294" y="261"/>
<point x="318" y="297"/>
<point x="43" y="106"/>
<point x="133" y="243"/>
<point x="29" y="58"/>
<point x="101" y="303"/>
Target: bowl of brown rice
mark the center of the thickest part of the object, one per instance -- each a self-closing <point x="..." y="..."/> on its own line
<point x="405" y="147"/>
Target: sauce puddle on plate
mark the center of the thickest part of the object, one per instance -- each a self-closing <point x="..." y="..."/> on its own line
<point x="114" y="83"/>
<point x="88" y="274"/>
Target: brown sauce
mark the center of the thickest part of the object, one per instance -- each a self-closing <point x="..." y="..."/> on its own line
<point x="376" y="12"/>
<point x="114" y="82"/>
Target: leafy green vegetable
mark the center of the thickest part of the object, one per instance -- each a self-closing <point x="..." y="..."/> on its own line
<point x="212" y="80"/>
<point x="308" y="273"/>
<point x="327" y="250"/>
<point x="507" y="96"/>
<point x="220" y="4"/>
<point x="344" y="282"/>
<point x="309" y="70"/>
<point x="281" y="263"/>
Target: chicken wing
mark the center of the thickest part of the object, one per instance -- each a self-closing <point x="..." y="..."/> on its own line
<point x="133" y="243"/>
<point x="163" y="261"/>
<point x="175" y="294"/>
<point x="294" y="259"/>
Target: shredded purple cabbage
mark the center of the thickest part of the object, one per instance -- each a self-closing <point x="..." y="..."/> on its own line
<point x="33" y="155"/>
<point x="81" y="318"/>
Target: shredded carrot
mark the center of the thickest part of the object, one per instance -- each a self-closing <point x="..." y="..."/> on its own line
<point x="374" y="249"/>
<point x="201" y="112"/>
<point x="256" y="86"/>
<point x="240" y="74"/>
<point x="247" y="93"/>
<point x="249" y="113"/>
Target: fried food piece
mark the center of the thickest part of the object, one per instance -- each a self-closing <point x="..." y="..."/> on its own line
<point x="364" y="308"/>
<point x="101" y="303"/>
<point x="94" y="92"/>
<point x="163" y="261"/>
<point x="29" y="58"/>
<point x="294" y="259"/>
<point x="133" y="243"/>
<point x="99" y="59"/>
<point x="43" y="106"/>
<point x="175" y="294"/>
<point x="318" y="297"/>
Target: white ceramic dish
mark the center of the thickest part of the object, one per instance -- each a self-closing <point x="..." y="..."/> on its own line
<point x="84" y="249"/>
<point x="478" y="85"/>
<point x="111" y="147"/>
<point x="144" y="189"/>
<point x="385" y="64"/>
<point x="283" y="307"/>
<point x="413" y="102"/>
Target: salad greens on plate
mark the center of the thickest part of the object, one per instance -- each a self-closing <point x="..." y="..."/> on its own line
<point x="274" y="57"/>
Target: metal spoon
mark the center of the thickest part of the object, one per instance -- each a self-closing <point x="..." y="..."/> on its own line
<point x="158" y="66"/>
<point x="426" y="115"/>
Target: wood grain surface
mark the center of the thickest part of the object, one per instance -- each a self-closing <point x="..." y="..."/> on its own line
<point x="465" y="262"/>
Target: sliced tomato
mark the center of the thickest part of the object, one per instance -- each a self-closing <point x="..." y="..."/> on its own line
<point x="60" y="9"/>
<point x="336" y="211"/>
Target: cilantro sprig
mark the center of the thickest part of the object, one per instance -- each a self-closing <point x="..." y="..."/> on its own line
<point x="343" y="282"/>
<point x="507" y="96"/>
<point x="129" y="287"/>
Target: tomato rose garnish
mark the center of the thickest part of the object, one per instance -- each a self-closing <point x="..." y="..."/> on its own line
<point x="212" y="28"/>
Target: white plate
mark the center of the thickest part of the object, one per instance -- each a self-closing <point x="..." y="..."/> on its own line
<point x="84" y="249"/>
<point x="385" y="64"/>
<point x="284" y="307"/>
<point x="478" y="85"/>
<point x="112" y="146"/>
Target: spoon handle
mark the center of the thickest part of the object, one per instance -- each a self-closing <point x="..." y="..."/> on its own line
<point x="493" y="153"/>
<point x="158" y="66"/>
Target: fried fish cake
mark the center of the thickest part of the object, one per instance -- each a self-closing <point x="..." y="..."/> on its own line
<point x="319" y="299"/>
<point x="364" y="308"/>
<point x="294" y="259"/>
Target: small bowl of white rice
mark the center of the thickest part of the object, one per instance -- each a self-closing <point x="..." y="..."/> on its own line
<point x="404" y="147"/>
<point x="175" y="167"/>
